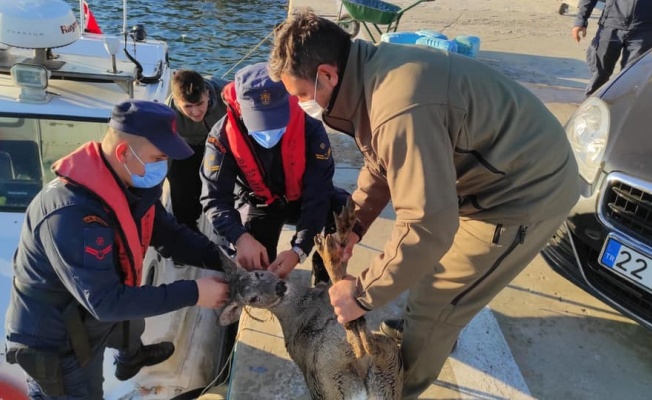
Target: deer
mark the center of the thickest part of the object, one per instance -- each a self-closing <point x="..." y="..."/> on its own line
<point x="337" y="361"/>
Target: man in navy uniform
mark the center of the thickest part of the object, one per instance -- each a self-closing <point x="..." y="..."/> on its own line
<point x="79" y="260"/>
<point x="624" y="28"/>
<point x="270" y="161"/>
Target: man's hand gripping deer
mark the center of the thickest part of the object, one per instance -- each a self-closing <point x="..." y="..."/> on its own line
<point x="371" y="351"/>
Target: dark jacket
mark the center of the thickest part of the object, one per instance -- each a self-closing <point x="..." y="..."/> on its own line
<point x="618" y="14"/>
<point x="195" y="132"/>
<point x="63" y="221"/>
<point x="223" y="181"/>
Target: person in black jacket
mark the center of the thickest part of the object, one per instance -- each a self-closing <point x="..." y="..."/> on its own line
<point x="269" y="161"/>
<point x="79" y="263"/>
<point x="198" y="106"/>
<point x="624" y="28"/>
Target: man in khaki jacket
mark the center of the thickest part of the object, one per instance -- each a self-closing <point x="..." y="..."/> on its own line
<point x="479" y="172"/>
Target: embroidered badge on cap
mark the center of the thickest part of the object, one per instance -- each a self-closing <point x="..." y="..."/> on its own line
<point x="265" y="98"/>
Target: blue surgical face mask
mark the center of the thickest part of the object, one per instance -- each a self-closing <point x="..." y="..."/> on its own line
<point x="155" y="172"/>
<point x="269" y="138"/>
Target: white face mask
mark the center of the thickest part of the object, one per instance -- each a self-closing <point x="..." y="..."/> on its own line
<point x="311" y="107"/>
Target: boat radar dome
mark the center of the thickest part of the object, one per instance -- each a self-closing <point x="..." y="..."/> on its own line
<point x="37" y="24"/>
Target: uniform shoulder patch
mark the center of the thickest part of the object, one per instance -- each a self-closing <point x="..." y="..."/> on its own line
<point x="218" y="145"/>
<point x="325" y="155"/>
<point x="209" y="164"/>
<point x="94" y="219"/>
<point x="98" y="247"/>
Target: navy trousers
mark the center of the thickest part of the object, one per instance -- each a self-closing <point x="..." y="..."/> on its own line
<point x="607" y="46"/>
<point x="185" y="188"/>
<point x="86" y="383"/>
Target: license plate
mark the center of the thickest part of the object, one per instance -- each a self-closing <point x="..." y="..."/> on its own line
<point x="627" y="262"/>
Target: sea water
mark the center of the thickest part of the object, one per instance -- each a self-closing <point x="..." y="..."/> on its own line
<point x="209" y="36"/>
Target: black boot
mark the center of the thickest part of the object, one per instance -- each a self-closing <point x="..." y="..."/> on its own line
<point x="393" y="328"/>
<point x="319" y="273"/>
<point x="128" y="367"/>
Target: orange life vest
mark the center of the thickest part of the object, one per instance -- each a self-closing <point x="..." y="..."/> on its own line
<point x="293" y="150"/>
<point x="85" y="167"/>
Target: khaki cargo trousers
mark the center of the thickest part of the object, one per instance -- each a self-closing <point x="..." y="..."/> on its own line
<point x="483" y="259"/>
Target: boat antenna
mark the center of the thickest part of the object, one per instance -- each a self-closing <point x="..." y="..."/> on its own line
<point x="139" y="67"/>
<point x="124" y="19"/>
<point x="82" y="17"/>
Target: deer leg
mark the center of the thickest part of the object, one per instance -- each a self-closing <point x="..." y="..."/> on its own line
<point x="344" y="222"/>
<point x="328" y="249"/>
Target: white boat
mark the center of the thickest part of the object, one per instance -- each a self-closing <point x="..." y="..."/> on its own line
<point x="57" y="89"/>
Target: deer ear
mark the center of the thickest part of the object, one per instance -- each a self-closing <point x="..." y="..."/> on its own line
<point x="228" y="263"/>
<point x="230" y="314"/>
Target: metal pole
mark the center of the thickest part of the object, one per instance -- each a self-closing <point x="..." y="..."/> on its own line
<point x="82" y="19"/>
<point x="124" y="17"/>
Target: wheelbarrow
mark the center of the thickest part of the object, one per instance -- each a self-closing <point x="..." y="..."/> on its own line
<point x="371" y="12"/>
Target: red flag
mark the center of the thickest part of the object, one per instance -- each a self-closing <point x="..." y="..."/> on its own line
<point x="91" y="25"/>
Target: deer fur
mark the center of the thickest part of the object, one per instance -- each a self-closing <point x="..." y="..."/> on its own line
<point x="336" y="363"/>
<point x="314" y="339"/>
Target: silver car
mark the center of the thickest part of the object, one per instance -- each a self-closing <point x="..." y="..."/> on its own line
<point x="605" y="246"/>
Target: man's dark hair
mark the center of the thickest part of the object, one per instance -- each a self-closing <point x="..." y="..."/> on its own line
<point x="188" y="85"/>
<point x="303" y="42"/>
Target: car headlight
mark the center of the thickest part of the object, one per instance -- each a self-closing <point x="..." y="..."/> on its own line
<point x="588" y="131"/>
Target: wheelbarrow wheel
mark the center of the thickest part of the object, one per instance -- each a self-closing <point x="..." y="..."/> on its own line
<point x="349" y="25"/>
<point x="563" y="9"/>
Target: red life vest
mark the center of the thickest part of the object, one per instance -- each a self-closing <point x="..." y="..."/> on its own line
<point x="85" y="167"/>
<point x="293" y="150"/>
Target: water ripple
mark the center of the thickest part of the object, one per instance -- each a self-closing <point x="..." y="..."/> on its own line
<point x="209" y="36"/>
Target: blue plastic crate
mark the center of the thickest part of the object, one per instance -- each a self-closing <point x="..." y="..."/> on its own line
<point x="400" y="37"/>
<point x="444" y="44"/>
<point x="432" y="34"/>
<point x="468" y="45"/>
